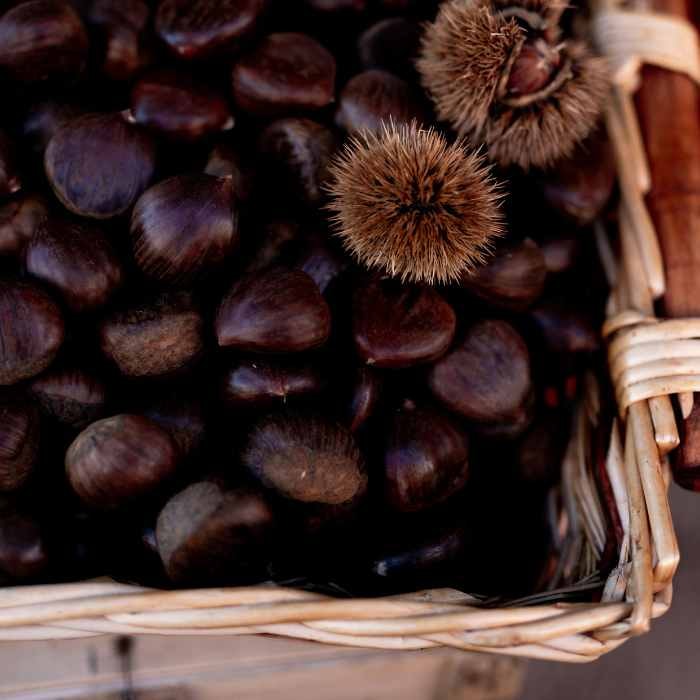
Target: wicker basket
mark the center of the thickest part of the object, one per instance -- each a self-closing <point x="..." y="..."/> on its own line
<point x="649" y="360"/>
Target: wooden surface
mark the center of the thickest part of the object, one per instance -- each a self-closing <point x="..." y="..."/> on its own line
<point x="255" y="668"/>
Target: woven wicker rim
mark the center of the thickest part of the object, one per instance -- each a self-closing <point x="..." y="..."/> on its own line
<point x="650" y="360"/>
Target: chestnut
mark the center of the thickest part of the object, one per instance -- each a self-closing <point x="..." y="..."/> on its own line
<point x="300" y="151"/>
<point x="278" y="240"/>
<point x="286" y="72"/>
<point x="10" y="181"/>
<point x="72" y="396"/>
<point x="23" y="546"/>
<point x="560" y="253"/>
<point x="337" y="5"/>
<point x="565" y="329"/>
<point x="226" y="161"/>
<point x="183" y="418"/>
<point x="178" y="106"/>
<point x="486" y="377"/>
<point x="541" y="450"/>
<point x="98" y="164"/>
<point x="185" y="226"/>
<point x="31" y="331"/>
<point x="258" y="382"/>
<point x="19" y="442"/>
<point x="199" y="28"/>
<point x="364" y="396"/>
<point x="377" y="97"/>
<point x="276" y="310"/>
<point x="206" y="534"/>
<point x="425" y="459"/>
<point x="391" y="44"/>
<point x="158" y="336"/>
<point x="309" y="459"/>
<point x="512" y="279"/>
<point x="43" y="118"/>
<point x="77" y="260"/>
<point x="119" y="459"/>
<point x="42" y="39"/>
<point x="320" y="261"/>
<point x="396" y="325"/>
<point x="19" y="219"/>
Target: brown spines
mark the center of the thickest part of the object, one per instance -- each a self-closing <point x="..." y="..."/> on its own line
<point x="410" y="204"/>
<point x="466" y="60"/>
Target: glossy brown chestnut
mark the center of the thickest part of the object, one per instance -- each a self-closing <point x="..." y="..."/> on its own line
<point x="276" y="310"/>
<point x="23" y="548"/>
<point x="198" y="28"/>
<point x="183" y="418"/>
<point x="287" y="72"/>
<point x="320" y="261"/>
<point x="580" y="187"/>
<point x="377" y="97"/>
<point x="533" y="68"/>
<point x="391" y="44"/>
<point x="121" y="23"/>
<point x="309" y="459"/>
<point x="225" y="161"/>
<point x="119" y="459"/>
<point x="277" y="241"/>
<point x="512" y="279"/>
<point x="31" y="331"/>
<point x="42" y="39"/>
<point x="77" y="260"/>
<point x="364" y="396"/>
<point x="486" y="378"/>
<point x="43" y="118"/>
<point x="178" y="106"/>
<point x="257" y="382"/>
<point x="98" y="164"/>
<point x="19" y="218"/>
<point x="396" y="325"/>
<point x="10" y="181"/>
<point x="337" y="5"/>
<point x="560" y="253"/>
<point x="19" y="442"/>
<point x="208" y="534"/>
<point x="425" y="459"/>
<point x="71" y="396"/>
<point x="185" y="226"/>
<point x="300" y="151"/>
<point x="159" y="336"/>
<point x="565" y="329"/>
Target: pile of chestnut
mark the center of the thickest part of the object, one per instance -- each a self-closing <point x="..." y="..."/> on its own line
<point x="198" y="386"/>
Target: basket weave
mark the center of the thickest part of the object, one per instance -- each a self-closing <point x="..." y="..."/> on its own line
<point x="649" y="360"/>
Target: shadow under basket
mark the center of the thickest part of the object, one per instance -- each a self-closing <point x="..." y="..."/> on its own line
<point x="651" y="364"/>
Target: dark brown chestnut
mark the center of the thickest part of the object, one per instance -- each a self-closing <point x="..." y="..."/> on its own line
<point x="512" y="279"/>
<point x="337" y="5"/>
<point x="300" y="151"/>
<point x="77" y="260"/>
<point x="565" y="329"/>
<point x="184" y="226"/>
<point x="425" y="459"/>
<point x="42" y="39"/>
<point x="377" y="97"/>
<point x="276" y="310"/>
<point x="397" y="325"/>
<point x="183" y="418"/>
<point x="277" y="240"/>
<point x="560" y="253"/>
<point x="99" y="164"/>
<point x="10" y="181"/>
<point x="156" y="337"/>
<point x="19" y="442"/>
<point x="206" y="534"/>
<point x="257" y="382"/>
<point x="580" y="187"/>
<point x="541" y="450"/>
<point x="31" y="331"/>
<point x="391" y="44"/>
<point x="286" y="72"/>
<point x="23" y="547"/>
<point x="43" y="118"/>
<point x="198" y="28"/>
<point x="320" y="261"/>
<point x="121" y="24"/>
<point x="365" y="394"/>
<point x="308" y="459"/>
<point x="19" y="219"/>
<point x="178" y="106"/>
<point x="71" y="396"/>
<point x="533" y="67"/>
<point x="226" y="161"/>
<point x="119" y="459"/>
<point x="486" y="378"/>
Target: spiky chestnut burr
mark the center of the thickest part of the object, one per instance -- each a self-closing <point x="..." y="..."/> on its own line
<point x="406" y="202"/>
<point x="499" y="74"/>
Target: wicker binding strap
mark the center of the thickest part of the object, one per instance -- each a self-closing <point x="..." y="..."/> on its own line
<point x="649" y="360"/>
